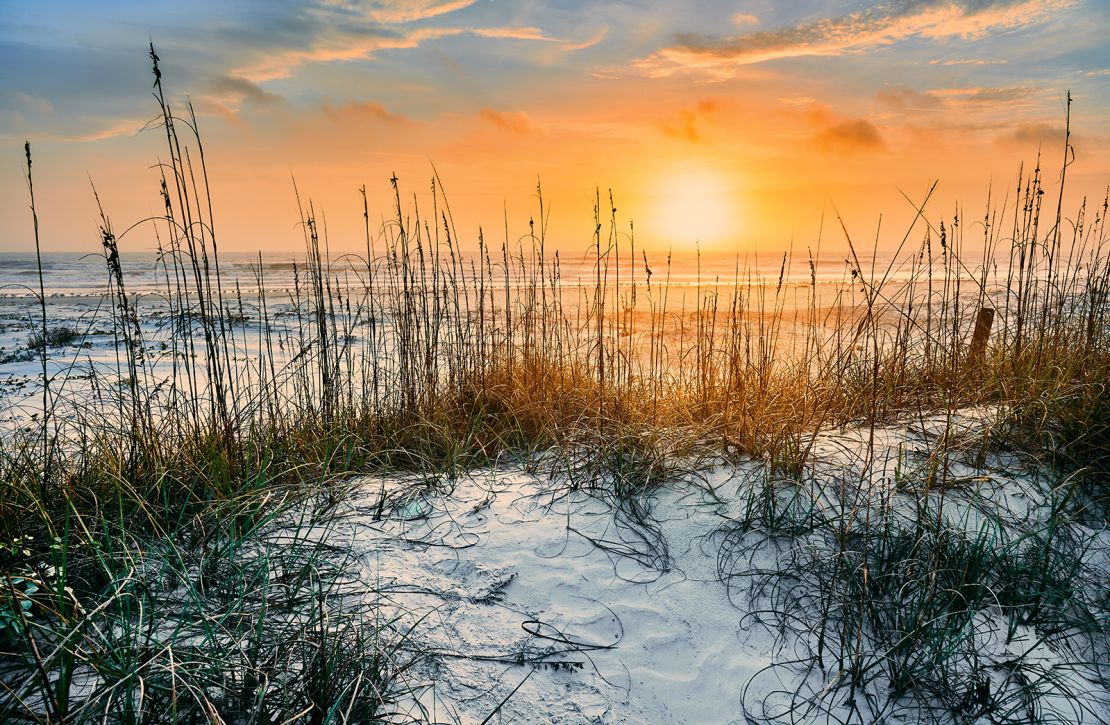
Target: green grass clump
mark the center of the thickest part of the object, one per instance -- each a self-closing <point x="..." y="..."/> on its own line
<point x="200" y="626"/>
<point x="922" y="597"/>
<point x="60" y="336"/>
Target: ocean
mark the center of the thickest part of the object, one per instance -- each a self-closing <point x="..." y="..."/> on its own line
<point x="268" y="302"/>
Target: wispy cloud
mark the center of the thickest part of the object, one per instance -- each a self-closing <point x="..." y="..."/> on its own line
<point x="236" y="91"/>
<point x="902" y="97"/>
<point x="230" y="56"/>
<point x="398" y="11"/>
<point x="881" y="25"/>
<point x="349" y="30"/>
<point x="511" y="121"/>
<point x="510" y="33"/>
<point x="963" y="99"/>
<point x="966" y="61"/>
<point x="994" y="97"/>
<point x="348" y="45"/>
<point x="362" y="113"/>
<point x="336" y="44"/>
<point x="588" y="42"/>
<point x="407" y="11"/>
<point x="33" y="104"/>
<point x="121" y="128"/>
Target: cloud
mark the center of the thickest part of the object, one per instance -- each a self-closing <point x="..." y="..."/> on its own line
<point x="323" y="31"/>
<point x="37" y="106"/>
<point x="963" y="99"/>
<point x="510" y="33"/>
<point x="745" y="19"/>
<point x="212" y="107"/>
<point x="513" y="122"/>
<point x="238" y="90"/>
<point x="687" y="125"/>
<point x="986" y="96"/>
<point x="904" y="98"/>
<point x="967" y="61"/>
<point x="362" y="43"/>
<point x="125" y="127"/>
<point x="71" y="92"/>
<point x="338" y="45"/>
<point x="15" y="124"/>
<point x="850" y="136"/>
<point x="408" y="11"/>
<point x="878" y="26"/>
<point x="588" y="42"/>
<point x="1036" y="133"/>
<point x="228" y="54"/>
<point x="363" y="113"/>
<point x="391" y="12"/>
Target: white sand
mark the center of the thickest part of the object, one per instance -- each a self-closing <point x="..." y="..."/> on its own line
<point x="500" y="581"/>
<point x="521" y="563"/>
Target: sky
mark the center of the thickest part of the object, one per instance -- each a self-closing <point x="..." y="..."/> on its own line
<point x="744" y="126"/>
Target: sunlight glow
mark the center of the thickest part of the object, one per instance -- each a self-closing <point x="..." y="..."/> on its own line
<point x="696" y="203"/>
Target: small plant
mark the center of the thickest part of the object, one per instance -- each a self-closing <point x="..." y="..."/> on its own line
<point x="60" y="336"/>
<point x="16" y="605"/>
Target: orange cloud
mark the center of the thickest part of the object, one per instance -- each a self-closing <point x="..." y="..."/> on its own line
<point x="513" y="122"/>
<point x="363" y="113"/>
<point x="407" y="11"/>
<point x="878" y="26"/>
<point x="587" y="43"/>
<point x="337" y="46"/>
<point x="125" y="127"/>
<point x="346" y="46"/>
<point x="688" y="121"/>
<point x="510" y="33"/>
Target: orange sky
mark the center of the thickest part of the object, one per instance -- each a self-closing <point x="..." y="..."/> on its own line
<point x="736" y="125"/>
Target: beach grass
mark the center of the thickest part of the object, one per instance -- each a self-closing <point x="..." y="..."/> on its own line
<point x="167" y="546"/>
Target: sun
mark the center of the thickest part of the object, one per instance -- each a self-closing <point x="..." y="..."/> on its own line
<point x="696" y="204"/>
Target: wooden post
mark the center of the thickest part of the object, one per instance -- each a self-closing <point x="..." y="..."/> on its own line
<point x="983" y="322"/>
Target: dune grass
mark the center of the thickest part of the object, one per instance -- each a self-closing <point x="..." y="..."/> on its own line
<point x="166" y="552"/>
<point x="917" y="590"/>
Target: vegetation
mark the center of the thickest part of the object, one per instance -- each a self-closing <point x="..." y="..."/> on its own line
<point x="54" y="337"/>
<point x="167" y="553"/>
